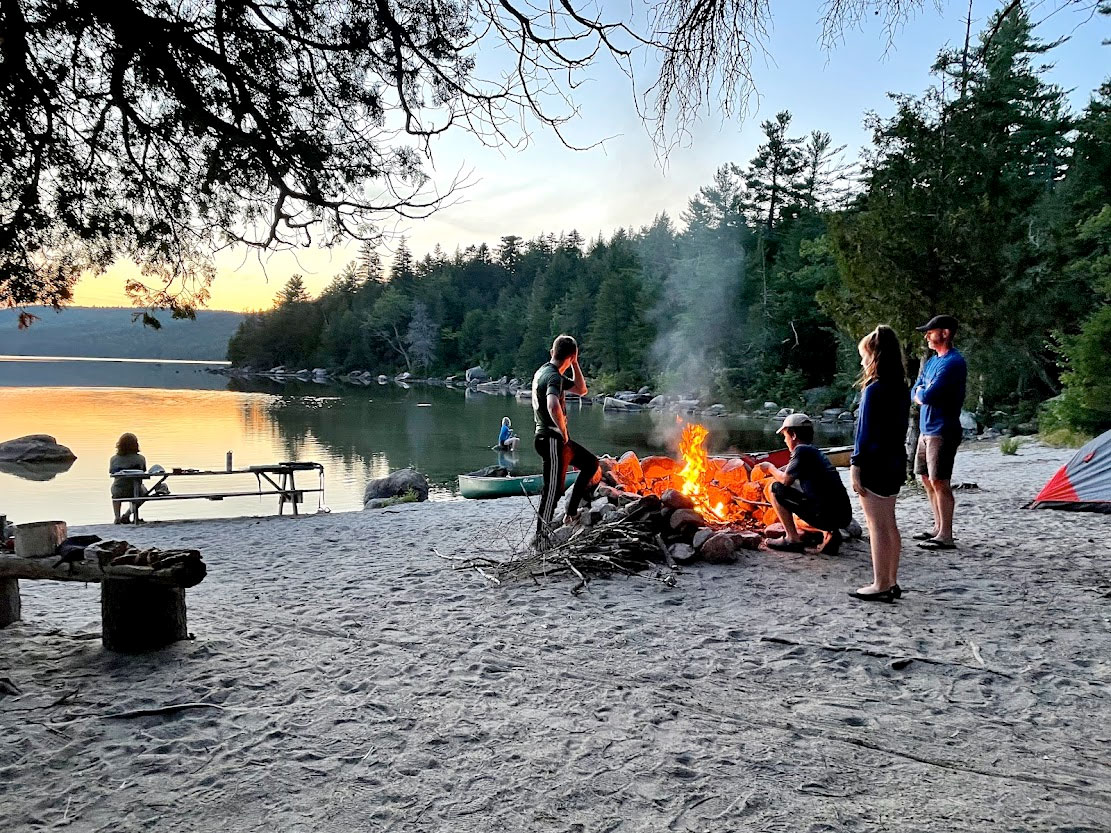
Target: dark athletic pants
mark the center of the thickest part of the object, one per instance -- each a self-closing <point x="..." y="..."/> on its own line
<point x="557" y="456"/>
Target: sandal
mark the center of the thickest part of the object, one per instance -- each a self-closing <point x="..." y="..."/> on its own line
<point x="934" y="544"/>
<point x="923" y="536"/>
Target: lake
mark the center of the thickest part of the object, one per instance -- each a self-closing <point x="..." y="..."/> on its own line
<point x="188" y="417"/>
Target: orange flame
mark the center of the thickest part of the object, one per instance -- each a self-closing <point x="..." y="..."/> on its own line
<point x="695" y="472"/>
<point x="723" y="492"/>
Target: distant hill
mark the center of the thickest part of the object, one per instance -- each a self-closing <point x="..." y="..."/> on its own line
<point x="109" y="332"/>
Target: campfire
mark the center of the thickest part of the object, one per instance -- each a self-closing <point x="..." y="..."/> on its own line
<point x="723" y="491"/>
<point x="653" y="515"/>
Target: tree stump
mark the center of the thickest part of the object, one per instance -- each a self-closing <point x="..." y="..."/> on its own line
<point x="139" y="615"/>
<point x="10" y="610"/>
<point x="38" y="539"/>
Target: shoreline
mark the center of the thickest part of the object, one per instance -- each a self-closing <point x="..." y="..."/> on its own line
<point x="352" y="680"/>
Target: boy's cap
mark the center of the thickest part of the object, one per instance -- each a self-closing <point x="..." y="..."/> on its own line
<point x="794" y="421"/>
<point x="939" y="322"/>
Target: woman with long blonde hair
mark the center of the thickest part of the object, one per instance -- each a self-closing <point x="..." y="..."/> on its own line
<point x="879" y="458"/>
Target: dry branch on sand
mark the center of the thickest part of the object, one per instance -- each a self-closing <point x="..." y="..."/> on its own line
<point x="588" y="552"/>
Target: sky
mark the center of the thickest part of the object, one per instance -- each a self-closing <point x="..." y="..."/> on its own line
<point x="547" y="188"/>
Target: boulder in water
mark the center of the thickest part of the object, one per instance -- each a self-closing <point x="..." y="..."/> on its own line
<point x="35" y="448"/>
<point x="477" y="374"/>
<point x="395" y="485"/>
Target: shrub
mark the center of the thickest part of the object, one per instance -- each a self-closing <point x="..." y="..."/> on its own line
<point x="410" y="496"/>
<point x="1064" y="437"/>
<point x="617" y="381"/>
<point x="1010" y="445"/>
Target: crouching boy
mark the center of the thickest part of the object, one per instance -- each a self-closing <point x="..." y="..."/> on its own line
<point x="809" y="489"/>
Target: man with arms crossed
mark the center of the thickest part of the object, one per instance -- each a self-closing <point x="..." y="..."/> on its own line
<point x="553" y="443"/>
<point x="939" y="391"/>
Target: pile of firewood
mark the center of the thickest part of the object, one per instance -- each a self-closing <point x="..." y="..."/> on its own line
<point x="627" y="534"/>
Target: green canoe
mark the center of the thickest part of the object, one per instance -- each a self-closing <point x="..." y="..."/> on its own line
<point x="488" y="487"/>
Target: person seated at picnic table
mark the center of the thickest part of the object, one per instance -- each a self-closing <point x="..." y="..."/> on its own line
<point x="507" y="437"/>
<point x="127" y="457"/>
<point x="808" y="488"/>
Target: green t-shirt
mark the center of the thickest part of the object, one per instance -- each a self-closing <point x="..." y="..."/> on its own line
<point x="548" y="380"/>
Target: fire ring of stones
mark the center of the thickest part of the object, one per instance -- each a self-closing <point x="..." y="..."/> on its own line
<point x="653" y="516"/>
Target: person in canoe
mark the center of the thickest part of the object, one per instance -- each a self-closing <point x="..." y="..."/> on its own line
<point x="507" y="437"/>
<point x="553" y="441"/>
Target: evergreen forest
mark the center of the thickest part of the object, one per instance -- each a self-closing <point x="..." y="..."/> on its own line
<point x="985" y="197"/>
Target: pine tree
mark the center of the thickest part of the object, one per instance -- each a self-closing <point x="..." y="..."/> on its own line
<point x="294" y="292"/>
<point x="370" y="263"/>
<point x="421" y="337"/>
<point x="824" y="178"/>
<point x="772" y="179"/>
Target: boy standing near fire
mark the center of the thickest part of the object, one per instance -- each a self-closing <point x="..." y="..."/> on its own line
<point x="820" y="499"/>
<point x="553" y="442"/>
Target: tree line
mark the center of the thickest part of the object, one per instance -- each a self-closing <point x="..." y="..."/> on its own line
<point x="984" y="197"/>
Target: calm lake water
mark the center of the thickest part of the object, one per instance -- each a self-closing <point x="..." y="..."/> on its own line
<point x="187" y="417"/>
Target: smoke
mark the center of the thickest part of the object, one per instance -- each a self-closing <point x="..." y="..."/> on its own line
<point x="697" y="317"/>
<point x="696" y="321"/>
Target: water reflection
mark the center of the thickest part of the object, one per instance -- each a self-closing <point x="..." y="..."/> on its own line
<point x="357" y="432"/>
<point x="39" y="472"/>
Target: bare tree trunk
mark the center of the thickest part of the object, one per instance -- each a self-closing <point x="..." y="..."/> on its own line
<point x="913" y="365"/>
<point x="964" y="55"/>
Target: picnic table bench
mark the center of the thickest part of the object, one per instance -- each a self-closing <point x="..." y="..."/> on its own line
<point x="271" y="479"/>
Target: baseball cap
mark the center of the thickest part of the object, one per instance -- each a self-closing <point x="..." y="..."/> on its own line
<point x="939" y="322"/>
<point x="794" y="421"/>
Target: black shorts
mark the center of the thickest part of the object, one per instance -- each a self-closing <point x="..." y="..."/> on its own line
<point x="884" y="480"/>
<point x="935" y="455"/>
<point x="810" y="510"/>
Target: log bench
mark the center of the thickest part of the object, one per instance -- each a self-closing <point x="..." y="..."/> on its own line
<point x="142" y="605"/>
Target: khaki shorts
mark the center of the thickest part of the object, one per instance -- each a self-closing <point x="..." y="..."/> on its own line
<point x="935" y="455"/>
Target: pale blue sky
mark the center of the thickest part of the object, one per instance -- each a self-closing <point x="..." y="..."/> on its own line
<point x="547" y="188"/>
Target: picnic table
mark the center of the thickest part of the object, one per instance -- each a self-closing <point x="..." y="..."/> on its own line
<point x="271" y="479"/>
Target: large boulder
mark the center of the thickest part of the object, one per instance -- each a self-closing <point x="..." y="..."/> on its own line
<point x="477" y="374"/>
<point x="35" y="448"/>
<point x="396" y="485"/>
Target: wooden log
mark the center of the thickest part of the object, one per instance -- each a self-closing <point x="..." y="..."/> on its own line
<point x="186" y="573"/>
<point x="40" y="538"/>
<point x="10" y="608"/>
<point x="139" y="615"/>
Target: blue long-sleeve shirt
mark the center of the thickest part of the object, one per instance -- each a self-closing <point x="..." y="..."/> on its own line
<point x="881" y="425"/>
<point x="940" y="390"/>
<point x="504" y="435"/>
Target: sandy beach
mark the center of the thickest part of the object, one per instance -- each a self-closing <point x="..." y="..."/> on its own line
<point x="343" y="677"/>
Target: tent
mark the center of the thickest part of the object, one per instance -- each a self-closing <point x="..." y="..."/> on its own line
<point x="1084" y="483"/>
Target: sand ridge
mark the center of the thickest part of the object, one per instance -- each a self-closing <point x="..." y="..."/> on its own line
<point x="345" y="678"/>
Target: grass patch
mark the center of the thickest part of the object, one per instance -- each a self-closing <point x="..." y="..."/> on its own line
<point x="1064" y="437"/>
<point x="1010" y="445"/>
<point x="409" y="497"/>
